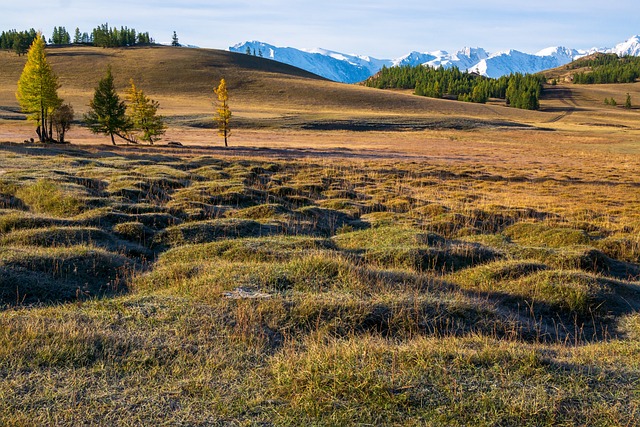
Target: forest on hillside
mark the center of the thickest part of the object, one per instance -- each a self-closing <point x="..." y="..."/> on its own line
<point x="518" y="90"/>
<point x="606" y="69"/>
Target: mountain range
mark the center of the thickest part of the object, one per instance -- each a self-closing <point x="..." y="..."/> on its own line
<point x="345" y="68"/>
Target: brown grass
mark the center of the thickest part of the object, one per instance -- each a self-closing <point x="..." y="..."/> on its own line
<point x="486" y="276"/>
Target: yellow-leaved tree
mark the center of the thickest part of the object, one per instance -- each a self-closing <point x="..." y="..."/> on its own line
<point x="38" y="90"/>
<point x="223" y="113"/>
<point x="143" y="114"/>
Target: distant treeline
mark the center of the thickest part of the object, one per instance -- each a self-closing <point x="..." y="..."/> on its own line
<point x="608" y="68"/>
<point x="519" y="91"/>
<point x="101" y="36"/>
<point x="18" y="41"/>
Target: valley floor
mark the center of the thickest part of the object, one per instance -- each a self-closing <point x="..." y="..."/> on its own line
<point x="487" y="276"/>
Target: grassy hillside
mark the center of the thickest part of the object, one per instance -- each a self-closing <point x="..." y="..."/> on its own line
<point x="183" y="80"/>
<point x="267" y="94"/>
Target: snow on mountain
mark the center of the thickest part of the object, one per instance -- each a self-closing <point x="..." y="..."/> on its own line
<point x="354" y="68"/>
<point x="331" y="65"/>
<point x="630" y="47"/>
<point x="413" y="58"/>
<point x="463" y="59"/>
<point x="513" y="61"/>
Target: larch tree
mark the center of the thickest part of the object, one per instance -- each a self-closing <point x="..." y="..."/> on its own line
<point x="223" y="113"/>
<point x="107" y="114"/>
<point x="143" y="115"/>
<point x="38" y="90"/>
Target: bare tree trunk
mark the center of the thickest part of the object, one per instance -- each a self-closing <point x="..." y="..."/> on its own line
<point x="43" y="124"/>
<point x="132" y="141"/>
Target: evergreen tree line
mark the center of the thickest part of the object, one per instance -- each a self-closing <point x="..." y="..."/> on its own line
<point x="519" y="91"/>
<point x="104" y="36"/>
<point x="101" y="36"/>
<point x="18" y="41"/>
<point x="609" y="69"/>
<point x="249" y="52"/>
<point x="60" y="36"/>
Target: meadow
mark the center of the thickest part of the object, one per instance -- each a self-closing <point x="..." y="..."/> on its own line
<point x="357" y="257"/>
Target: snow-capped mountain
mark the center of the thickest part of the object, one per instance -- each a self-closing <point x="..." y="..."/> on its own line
<point x="513" y="61"/>
<point x="630" y="47"/>
<point x="355" y="68"/>
<point x="331" y="65"/>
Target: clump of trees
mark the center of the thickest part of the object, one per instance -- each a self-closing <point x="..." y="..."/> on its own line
<point x="520" y="91"/>
<point x="101" y="36"/>
<point x="607" y="69"/>
<point x="38" y="95"/>
<point x="60" y="36"/>
<point x="104" y="36"/>
<point x="248" y="52"/>
<point x="134" y="119"/>
<point x="18" y="41"/>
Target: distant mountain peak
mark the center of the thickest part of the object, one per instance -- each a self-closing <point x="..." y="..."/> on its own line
<point x="349" y="68"/>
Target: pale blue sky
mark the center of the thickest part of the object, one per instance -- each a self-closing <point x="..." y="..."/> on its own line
<point x="382" y="29"/>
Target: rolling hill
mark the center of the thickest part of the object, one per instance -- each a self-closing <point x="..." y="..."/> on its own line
<point x="269" y="94"/>
<point x="183" y="79"/>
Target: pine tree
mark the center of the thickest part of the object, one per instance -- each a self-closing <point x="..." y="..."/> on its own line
<point x="77" y="37"/>
<point x="38" y="90"/>
<point x="627" y="103"/>
<point x="223" y="113"/>
<point x="108" y="113"/>
<point x="143" y="114"/>
<point x="21" y="43"/>
<point x="174" y="40"/>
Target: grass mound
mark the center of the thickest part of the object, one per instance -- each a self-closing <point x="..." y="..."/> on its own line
<point x="535" y="234"/>
<point x="409" y="248"/>
<point x="563" y="291"/>
<point x="46" y="196"/>
<point x="263" y="249"/>
<point x="69" y="236"/>
<point x="39" y="275"/>
<point x="209" y="231"/>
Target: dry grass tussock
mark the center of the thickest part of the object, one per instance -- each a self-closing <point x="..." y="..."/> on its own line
<point x="182" y="287"/>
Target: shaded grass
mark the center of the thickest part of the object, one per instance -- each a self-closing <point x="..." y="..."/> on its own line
<point x="44" y="275"/>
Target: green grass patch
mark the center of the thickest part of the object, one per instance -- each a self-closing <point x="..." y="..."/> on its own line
<point x="46" y="196"/>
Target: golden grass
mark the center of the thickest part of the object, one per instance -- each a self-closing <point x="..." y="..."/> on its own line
<point x="425" y="277"/>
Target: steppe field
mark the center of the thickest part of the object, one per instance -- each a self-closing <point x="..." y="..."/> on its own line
<point x="355" y="257"/>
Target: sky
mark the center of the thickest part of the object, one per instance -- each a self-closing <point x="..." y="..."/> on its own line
<point x="381" y="29"/>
